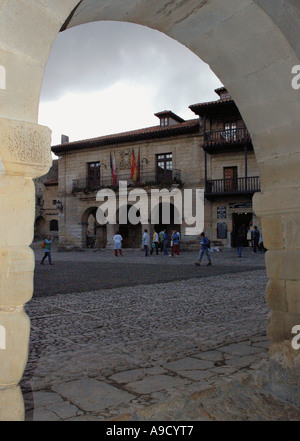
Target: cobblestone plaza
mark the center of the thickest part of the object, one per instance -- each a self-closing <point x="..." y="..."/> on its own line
<point x="119" y="337"/>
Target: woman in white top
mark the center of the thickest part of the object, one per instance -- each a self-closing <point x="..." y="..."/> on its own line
<point x="118" y="243"/>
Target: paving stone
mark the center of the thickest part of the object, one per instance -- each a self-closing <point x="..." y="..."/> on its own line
<point x="263" y="344"/>
<point x="223" y="370"/>
<point x="155" y="383"/>
<point x="189" y="364"/>
<point x="41" y="399"/>
<point x="241" y="362"/>
<point x="196" y="375"/>
<point x="210" y="356"/>
<point x="64" y="410"/>
<point x="128" y="376"/>
<point x="240" y="349"/>
<point x="155" y="371"/>
<point x="91" y="395"/>
<point x="42" y="414"/>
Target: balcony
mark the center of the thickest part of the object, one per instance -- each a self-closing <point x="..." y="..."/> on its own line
<point x="166" y="178"/>
<point x="234" y="138"/>
<point x="235" y="186"/>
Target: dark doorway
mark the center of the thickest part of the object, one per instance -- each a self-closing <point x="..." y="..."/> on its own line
<point x="238" y="220"/>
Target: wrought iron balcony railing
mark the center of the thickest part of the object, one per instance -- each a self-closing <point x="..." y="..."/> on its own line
<point x="232" y="136"/>
<point x="166" y="177"/>
<point x="232" y="186"/>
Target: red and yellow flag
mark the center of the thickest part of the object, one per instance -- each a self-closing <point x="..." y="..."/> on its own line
<point x="133" y="168"/>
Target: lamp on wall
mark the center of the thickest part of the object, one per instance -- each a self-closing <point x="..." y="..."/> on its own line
<point x="59" y="206"/>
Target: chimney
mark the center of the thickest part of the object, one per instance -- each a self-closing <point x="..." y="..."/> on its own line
<point x="64" y="139"/>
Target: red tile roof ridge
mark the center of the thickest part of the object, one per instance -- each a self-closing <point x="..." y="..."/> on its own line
<point x="145" y="130"/>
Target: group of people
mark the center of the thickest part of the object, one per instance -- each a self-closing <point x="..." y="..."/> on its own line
<point x="253" y="236"/>
<point x="160" y="242"/>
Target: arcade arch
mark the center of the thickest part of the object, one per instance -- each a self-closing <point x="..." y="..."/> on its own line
<point x="94" y="235"/>
<point x="252" y="46"/>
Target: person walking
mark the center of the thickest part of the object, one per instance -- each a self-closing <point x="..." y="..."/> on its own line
<point x="47" y="248"/>
<point x="146" y="242"/>
<point x="255" y="239"/>
<point x="204" y="245"/>
<point x="165" y="242"/>
<point x="155" y="242"/>
<point x="175" y="248"/>
<point x="118" y="244"/>
<point x="239" y="243"/>
<point x="161" y="240"/>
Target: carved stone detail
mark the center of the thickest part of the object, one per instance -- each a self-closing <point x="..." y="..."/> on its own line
<point x="125" y="161"/>
<point x="25" y="148"/>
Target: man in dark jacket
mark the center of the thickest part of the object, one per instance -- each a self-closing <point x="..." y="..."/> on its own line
<point x="255" y="239"/>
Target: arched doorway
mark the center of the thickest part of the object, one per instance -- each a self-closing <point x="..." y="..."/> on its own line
<point x="94" y="235"/>
<point x="252" y="46"/>
<point x="168" y="218"/>
<point x="39" y="228"/>
<point x="131" y="234"/>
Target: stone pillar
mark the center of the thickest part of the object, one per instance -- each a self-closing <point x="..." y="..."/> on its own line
<point x="24" y="155"/>
<point x="111" y="231"/>
<point x="279" y="207"/>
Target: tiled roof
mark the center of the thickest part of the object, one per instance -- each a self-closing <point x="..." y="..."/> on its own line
<point x="169" y="113"/>
<point x="191" y="126"/>
<point x="211" y="103"/>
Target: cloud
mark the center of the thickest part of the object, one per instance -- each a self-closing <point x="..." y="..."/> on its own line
<point x="96" y="55"/>
<point x="107" y="77"/>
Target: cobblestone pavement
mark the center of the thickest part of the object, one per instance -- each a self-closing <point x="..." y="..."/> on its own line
<point x="150" y="351"/>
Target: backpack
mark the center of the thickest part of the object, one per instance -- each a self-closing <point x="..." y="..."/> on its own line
<point x="43" y="245"/>
<point x="206" y="242"/>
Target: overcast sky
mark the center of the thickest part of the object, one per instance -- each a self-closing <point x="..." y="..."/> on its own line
<point x="110" y="77"/>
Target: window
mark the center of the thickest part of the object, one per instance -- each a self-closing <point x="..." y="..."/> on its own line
<point x="164" y="122"/>
<point x="93" y="174"/>
<point x="54" y="202"/>
<point x="164" y="166"/>
<point x="230" y="133"/>
<point x="54" y="225"/>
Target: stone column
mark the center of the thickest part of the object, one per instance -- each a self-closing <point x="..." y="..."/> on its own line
<point x="24" y="155"/>
<point x="279" y="206"/>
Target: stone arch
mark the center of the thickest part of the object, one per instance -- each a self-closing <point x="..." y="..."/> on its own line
<point x="131" y="234"/>
<point x="252" y="48"/>
<point x="94" y="235"/>
<point x="169" y="224"/>
<point x="40" y="228"/>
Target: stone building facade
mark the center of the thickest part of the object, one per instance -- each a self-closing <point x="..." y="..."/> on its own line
<point x="230" y="169"/>
<point x="212" y="152"/>
<point x="46" y="204"/>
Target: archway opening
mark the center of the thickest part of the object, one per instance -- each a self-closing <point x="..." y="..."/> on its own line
<point x="94" y="235"/>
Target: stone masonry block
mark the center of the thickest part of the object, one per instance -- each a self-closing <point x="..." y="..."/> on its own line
<point x="283" y="264"/>
<point x="13" y="358"/>
<point x="16" y="275"/>
<point x="11" y="404"/>
<point x="272" y="232"/>
<point x="293" y="296"/>
<point x="276" y="295"/>
<point x="17" y="201"/>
